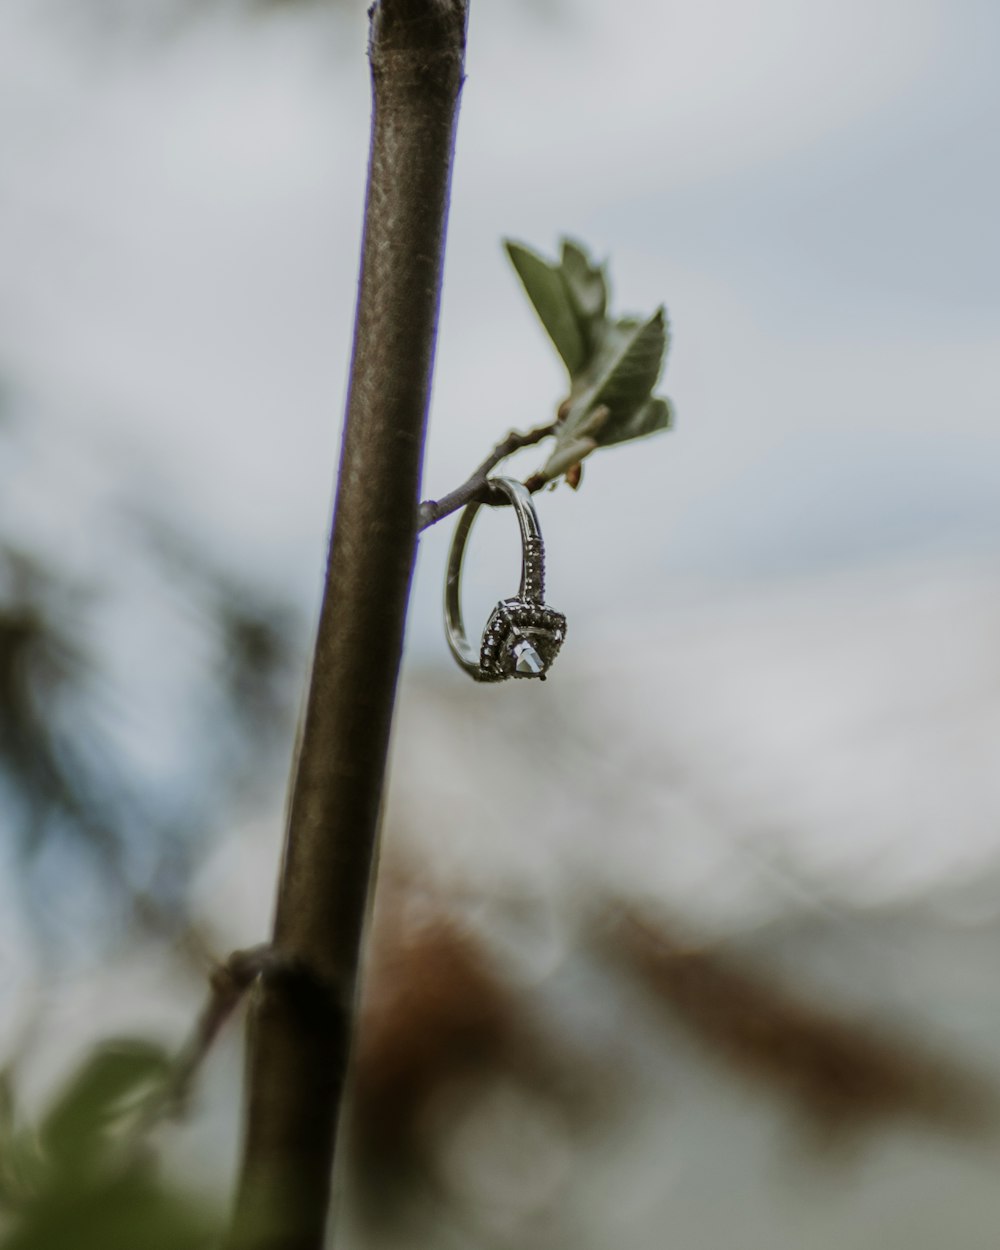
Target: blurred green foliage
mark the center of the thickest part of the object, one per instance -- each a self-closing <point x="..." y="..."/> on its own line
<point x="84" y="1176"/>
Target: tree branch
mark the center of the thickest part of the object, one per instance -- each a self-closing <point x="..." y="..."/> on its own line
<point x="300" y="1044"/>
<point x="476" y="486"/>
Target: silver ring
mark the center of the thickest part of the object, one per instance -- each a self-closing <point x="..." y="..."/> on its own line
<point x="523" y="635"/>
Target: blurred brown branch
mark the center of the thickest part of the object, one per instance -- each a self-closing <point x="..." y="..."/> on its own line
<point x="844" y="1075"/>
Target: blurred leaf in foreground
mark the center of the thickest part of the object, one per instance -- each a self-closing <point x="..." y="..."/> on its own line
<point x="85" y="1178"/>
<point x="109" y="1085"/>
<point x="127" y="1212"/>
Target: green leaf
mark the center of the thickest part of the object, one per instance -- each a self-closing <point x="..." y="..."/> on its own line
<point x="104" y="1087"/>
<point x="626" y="380"/>
<point x="588" y="289"/>
<point x="550" y="295"/>
<point x="568" y="454"/>
<point x="621" y="379"/>
<point x="614" y="364"/>
<point x="656" y="414"/>
<point x="127" y="1212"/>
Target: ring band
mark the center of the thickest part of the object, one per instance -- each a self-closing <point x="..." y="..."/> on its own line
<point x="523" y="635"/>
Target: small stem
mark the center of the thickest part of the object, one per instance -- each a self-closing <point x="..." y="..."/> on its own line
<point x="228" y="985"/>
<point x="477" y="487"/>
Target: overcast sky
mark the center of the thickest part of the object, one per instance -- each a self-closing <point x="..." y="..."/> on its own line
<point x="808" y="187"/>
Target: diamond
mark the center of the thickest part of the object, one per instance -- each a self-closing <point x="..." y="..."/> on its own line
<point x="527" y="661"/>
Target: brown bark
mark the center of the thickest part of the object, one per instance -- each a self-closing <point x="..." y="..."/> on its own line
<point x="303" y="1017"/>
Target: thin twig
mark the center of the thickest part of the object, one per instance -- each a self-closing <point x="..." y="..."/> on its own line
<point x="477" y="486"/>
<point x="228" y="984"/>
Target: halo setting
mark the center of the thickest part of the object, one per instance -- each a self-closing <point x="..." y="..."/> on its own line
<point x="521" y="639"/>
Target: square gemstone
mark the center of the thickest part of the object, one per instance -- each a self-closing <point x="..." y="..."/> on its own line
<point x="521" y="640"/>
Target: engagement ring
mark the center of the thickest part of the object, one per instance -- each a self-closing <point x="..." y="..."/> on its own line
<point x="523" y="635"/>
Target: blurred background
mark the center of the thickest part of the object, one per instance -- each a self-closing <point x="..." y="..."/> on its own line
<point x="696" y="944"/>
